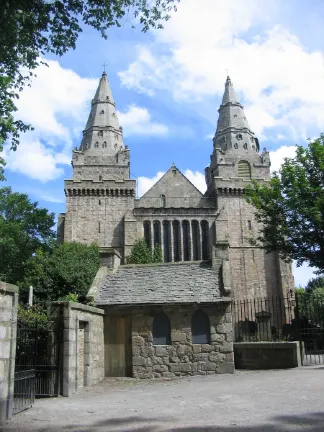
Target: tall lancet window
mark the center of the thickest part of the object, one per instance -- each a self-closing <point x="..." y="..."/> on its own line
<point x="163" y="200"/>
<point x="244" y="169"/>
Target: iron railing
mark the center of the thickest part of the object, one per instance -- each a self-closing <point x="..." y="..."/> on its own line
<point x="295" y="317"/>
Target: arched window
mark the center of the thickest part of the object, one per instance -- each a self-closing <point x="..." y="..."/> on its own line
<point x="176" y="240"/>
<point x="185" y="240"/>
<point x="244" y="169"/>
<point x="200" y="328"/>
<point x="195" y="240"/>
<point x="102" y="112"/>
<point x="204" y="239"/>
<point x="163" y="200"/>
<point x="157" y="233"/>
<point x="147" y="233"/>
<point x="166" y="240"/>
<point x="161" y="329"/>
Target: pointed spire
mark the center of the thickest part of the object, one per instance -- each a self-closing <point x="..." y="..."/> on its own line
<point x="229" y="94"/>
<point x="102" y="133"/>
<point x="231" y="113"/>
<point x="233" y="130"/>
<point x="103" y="91"/>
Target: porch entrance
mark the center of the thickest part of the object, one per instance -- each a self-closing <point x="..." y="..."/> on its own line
<point x="118" y="346"/>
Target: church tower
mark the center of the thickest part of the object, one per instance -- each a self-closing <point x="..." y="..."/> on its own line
<point x="235" y="162"/>
<point x="101" y="191"/>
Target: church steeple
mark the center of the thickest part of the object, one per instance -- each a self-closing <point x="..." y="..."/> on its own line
<point x="229" y="94"/>
<point x="235" y="147"/>
<point x="232" y="125"/>
<point x="102" y="133"/>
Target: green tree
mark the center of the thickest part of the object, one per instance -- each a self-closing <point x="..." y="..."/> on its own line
<point x="142" y="254"/>
<point x="55" y="274"/>
<point x="32" y="28"/>
<point x="291" y="207"/>
<point x="315" y="283"/>
<point x="24" y="229"/>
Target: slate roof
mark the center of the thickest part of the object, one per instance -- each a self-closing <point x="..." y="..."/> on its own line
<point x="177" y="283"/>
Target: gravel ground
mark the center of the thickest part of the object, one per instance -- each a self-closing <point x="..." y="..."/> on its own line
<point x="271" y="401"/>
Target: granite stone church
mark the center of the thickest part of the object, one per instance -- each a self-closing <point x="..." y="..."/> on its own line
<point x="173" y="318"/>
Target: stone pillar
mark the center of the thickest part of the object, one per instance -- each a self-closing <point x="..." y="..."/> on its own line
<point x="171" y="248"/>
<point x="181" y="240"/>
<point x="199" y="241"/>
<point x="264" y="325"/>
<point x="190" y="242"/>
<point x="8" y="334"/>
<point x="162" y="239"/>
<point x="152" y="235"/>
<point x="74" y="316"/>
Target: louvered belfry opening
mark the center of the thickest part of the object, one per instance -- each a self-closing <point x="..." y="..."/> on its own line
<point x="244" y="169"/>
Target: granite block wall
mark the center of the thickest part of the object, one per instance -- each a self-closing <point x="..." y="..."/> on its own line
<point x="182" y="357"/>
<point x="8" y="334"/>
<point x="83" y="345"/>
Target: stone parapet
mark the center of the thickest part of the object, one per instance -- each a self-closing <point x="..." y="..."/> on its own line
<point x="267" y="355"/>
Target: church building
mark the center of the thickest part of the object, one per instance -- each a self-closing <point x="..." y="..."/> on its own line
<point x="172" y="318"/>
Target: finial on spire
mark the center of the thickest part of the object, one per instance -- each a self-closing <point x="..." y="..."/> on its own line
<point x="104" y="69"/>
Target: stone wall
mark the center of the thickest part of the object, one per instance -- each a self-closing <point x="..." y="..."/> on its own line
<point x="82" y="337"/>
<point x="182" y="357"/>
<point x="267" y="355"/>
<point x="254" y="272"/>
<point x="8" y="333"/>
<point x="95" y="211"/>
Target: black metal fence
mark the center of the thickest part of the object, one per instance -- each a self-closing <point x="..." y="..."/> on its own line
<point x="37" y="362"/>
<point x="295" y="317"/>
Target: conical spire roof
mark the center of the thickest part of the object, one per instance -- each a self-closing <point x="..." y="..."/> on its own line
<point x="102" y="132"/>
<point x="231" y="113"/>
<point x="229" y="93"/>
<point x="233" y="130"/>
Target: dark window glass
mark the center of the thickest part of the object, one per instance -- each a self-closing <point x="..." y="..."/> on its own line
<point x="200" y="328"/>
<point x="161" y="329"/>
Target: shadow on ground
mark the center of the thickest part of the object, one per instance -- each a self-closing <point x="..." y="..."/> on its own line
<point x="312" y="422"/>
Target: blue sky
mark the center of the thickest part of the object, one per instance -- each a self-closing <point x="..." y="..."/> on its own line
<point x="168" y="86"/>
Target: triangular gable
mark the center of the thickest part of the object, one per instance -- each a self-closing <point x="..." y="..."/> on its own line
<point x="173" y="184"/>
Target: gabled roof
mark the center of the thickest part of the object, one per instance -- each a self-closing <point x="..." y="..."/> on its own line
<point x="173" y="184"/>
<point x="172" y="283"/>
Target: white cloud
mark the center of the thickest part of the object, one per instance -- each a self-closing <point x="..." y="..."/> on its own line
<point x="137" y="121"/>
<point x="36" y="160"/>
<point x="145" y="183"/>
<point x="279" y="80"/>
<point x="277" y="156"/>
<point x="56" y="97"/>
<point x="197" y="178"/>
<point x="56" y="93"/>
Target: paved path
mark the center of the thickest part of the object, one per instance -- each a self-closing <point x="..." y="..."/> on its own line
<point x="270" y="401"/>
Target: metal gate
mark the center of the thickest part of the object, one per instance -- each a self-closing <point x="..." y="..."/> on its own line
<point x="37" y="371"/>
<point x="310" y="321"/>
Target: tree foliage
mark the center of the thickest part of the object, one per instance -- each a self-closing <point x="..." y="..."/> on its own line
<point x="24" y="229"/>
<point x="66" y="270"/>
<point x="315" y="283"/>
<point x="32" y="28"/>
<point x="142" y="254"/>
<point x="291" y="207"/>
